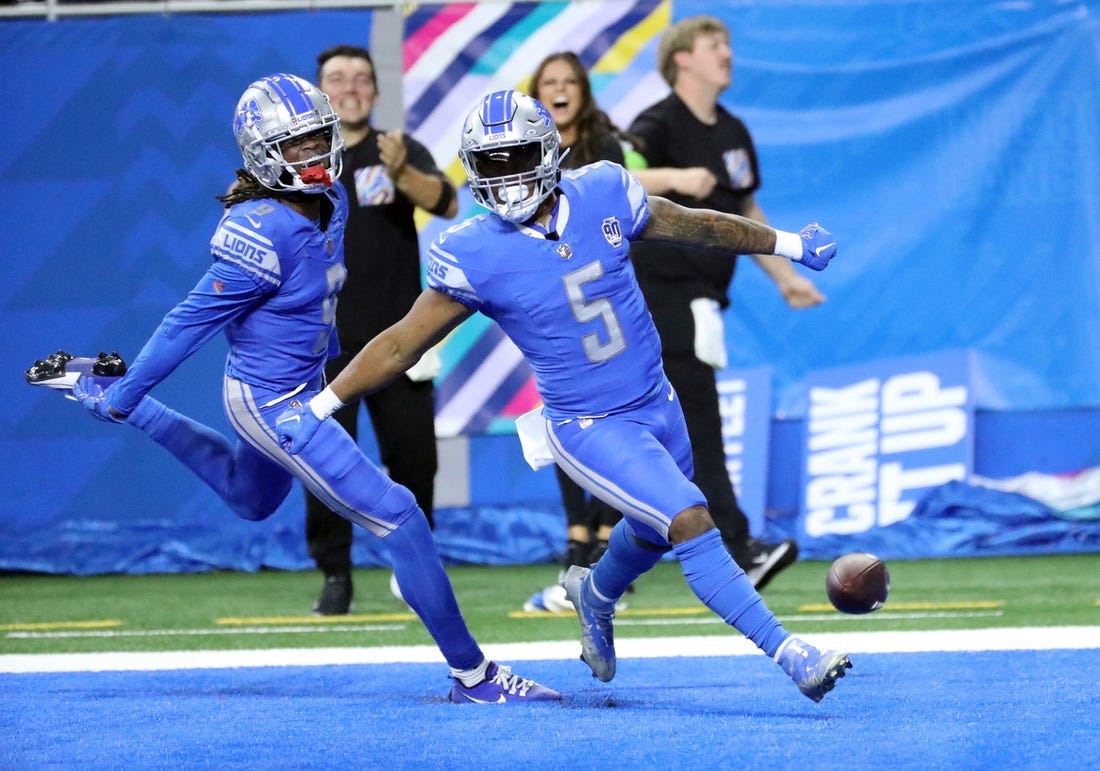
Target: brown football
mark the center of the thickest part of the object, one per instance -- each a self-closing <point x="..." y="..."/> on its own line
<point x="857" y="583"/>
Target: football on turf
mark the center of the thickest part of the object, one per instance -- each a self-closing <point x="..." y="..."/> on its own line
<point x="857" y="583"/>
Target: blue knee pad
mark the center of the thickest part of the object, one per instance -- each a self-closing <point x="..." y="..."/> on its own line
<point x="396" y="505"/>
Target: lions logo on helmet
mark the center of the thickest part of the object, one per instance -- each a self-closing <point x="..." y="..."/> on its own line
<point x="541" y="109"/>
<point x="511" y="151"/>
<point x="248" y="114"/>
<point x="279" y="108"/>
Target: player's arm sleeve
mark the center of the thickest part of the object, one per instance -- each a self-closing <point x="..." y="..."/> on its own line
<point x="221" y="295"/>
<point x="446" y="276"/>
<point x="637" y="202"/>
<point x="611" y="187"/>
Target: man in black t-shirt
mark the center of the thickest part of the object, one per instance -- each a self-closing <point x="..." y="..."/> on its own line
<point x="387" y="175"/>
<point x="687" y="289"/>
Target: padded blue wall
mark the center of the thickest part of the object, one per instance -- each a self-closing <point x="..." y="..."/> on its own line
<point x="117" y="138"/>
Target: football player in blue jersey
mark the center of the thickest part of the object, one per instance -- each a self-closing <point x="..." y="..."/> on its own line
<point x="550" y="265"/>
<point x="278" y="262"/>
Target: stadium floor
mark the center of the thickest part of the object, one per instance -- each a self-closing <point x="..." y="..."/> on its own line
<point x="935" y="701"/>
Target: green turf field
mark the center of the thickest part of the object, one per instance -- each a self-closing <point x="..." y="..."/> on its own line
<point x="270" y="609"/>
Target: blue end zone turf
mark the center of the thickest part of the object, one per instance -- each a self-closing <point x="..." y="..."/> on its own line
<point x="929" y="710"/>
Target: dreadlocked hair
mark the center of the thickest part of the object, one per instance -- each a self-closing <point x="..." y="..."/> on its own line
<point x="248" y="188"/>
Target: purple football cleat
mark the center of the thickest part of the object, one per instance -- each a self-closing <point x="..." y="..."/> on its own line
<point x="500" y="686"/>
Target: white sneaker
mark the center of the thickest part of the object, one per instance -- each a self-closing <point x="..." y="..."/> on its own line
<point x="553" y="599"/>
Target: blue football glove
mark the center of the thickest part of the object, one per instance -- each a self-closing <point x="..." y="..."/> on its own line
<point x="295" y="426"/>
<point x="93" y="398"/>
<point x="818" y="246"/>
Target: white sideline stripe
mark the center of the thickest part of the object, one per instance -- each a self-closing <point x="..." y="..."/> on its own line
<point x="239" y="630"/>
<point x="999" y="639"/>
<point x="881" y="616"/>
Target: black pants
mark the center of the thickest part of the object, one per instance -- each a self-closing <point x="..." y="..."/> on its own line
<point x="403" y="417"/>
<point x="697" y="388"/>
<point x="698" y="391"/>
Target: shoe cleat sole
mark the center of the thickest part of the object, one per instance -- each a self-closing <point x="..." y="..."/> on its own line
<point x="61" y="370"/>
<point x="835" y="668"/>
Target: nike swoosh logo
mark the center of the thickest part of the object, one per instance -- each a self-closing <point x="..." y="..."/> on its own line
<point x="670" y="393"/>
<point x="499" y="699"/>
<point x="291" y="419"/>
<point x="819" y="249"/>
<point x="253" y="221"/>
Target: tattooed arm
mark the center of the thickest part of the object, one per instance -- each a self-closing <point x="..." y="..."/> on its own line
<point x="705" y="228"/>
<point x="670" y="221"/>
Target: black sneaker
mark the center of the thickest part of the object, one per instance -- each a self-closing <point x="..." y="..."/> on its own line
<point x="763" y="561"/>
<point x="576" y="553"/>
<point x="597" y="551"/>
<point x="335" y="599"/>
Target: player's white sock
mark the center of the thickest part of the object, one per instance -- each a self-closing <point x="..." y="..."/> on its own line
<point x="471" y="677"/>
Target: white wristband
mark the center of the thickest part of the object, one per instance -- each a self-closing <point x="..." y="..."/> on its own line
<point x="324" y="404"/>
<point x="788" y="245"/>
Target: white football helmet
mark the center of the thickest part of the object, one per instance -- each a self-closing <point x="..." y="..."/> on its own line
<point x="281" y="107"/>
<point x="511" y="150"/>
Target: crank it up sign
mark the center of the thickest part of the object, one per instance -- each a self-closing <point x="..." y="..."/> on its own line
<point x="744" y="403"/>
<point x="880" y="435"/>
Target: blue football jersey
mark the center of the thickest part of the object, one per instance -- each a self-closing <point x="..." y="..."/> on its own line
<point x="571" y="304"/>
<point x="272" y="288"/>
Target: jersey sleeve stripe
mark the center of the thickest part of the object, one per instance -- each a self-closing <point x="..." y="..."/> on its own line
<point x="444" y="275"/>
<point x="253" y="253"/>
<point x="251" y="235"/>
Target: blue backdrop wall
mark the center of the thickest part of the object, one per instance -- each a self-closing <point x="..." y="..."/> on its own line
<point x="953" y="148"/>
<point x="108" y="180"/>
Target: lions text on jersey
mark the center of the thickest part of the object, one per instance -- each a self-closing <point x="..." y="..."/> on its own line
<point x="272" y="288"/>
